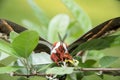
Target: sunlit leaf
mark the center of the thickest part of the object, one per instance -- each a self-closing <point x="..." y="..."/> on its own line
<point x="3" y="55"/>
<point x="58" y="24"/>
<point x="9" y="69"/>
<point x="106" y="61"/>
<point x="41" y="58"/>
<point x="79" y="14"/>
<point x="60" y="70"/>
<point x="13" y="35"/>
<point x="25" y="43"/>
<point x="7" y="48"/>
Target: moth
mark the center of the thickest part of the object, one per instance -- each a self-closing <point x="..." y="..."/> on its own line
<point x="103" y="29"/>
<point x="60" y="51"/>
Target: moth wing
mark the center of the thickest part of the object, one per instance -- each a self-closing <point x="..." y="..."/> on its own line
<point x="7" y="26"/>
<point x="103" y="29"/>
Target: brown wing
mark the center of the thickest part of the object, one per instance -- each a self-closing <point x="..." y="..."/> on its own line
<point x="7" y="26"/>
<point x="103" y="29"/>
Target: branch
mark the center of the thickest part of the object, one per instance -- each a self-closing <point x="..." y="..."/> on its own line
<point x="109" y="71"/>
<point x="29" y="75"/>
<point x="98" y="69"/>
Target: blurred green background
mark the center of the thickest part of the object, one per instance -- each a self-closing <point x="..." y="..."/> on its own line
<point x="98" y="11"/>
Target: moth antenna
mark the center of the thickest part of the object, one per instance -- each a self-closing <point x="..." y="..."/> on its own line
<point x="60" y="37"/>
<point x="65" y="36"/>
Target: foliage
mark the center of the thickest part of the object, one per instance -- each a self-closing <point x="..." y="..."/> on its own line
<point x="8" y="69"/>
<point x="106" y="61"/>
<point x="60" y="70"/>
<point x="29" y="39"/>
<point x="103" y="43"/>
<point x="22" y="45"/>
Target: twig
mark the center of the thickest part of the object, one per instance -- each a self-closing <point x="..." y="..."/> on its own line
<point x="98" y="69"/>
<point x="109" y="71"/>
<point x="29" y="75"/>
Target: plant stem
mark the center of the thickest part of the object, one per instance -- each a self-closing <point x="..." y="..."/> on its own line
<point x="110" y="71"/>
<point x="41" y="74"/>
<point x="98" y="69"/>
<point x="25" y="63"/>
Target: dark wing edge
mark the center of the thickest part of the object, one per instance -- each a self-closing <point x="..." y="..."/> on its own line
<point x="103" y="29"/>
<point x="43" y="46"/>
<point x="7" y="26"/>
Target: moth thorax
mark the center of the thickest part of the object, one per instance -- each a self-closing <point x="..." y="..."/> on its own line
<point x="59" y="46"/>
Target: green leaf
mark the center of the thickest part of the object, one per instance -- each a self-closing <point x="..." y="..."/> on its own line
<point x="114" y="40"/>
<point x="80" y="75"/>
<point x="25" y="43"/>
<point x="87" y="63"/>
<point x="98" y="44"/>
<point x="13" y="35"/>
<point x="23" y="78"/>
<point x="39" y="12"/>
<point x="60" y="70"/>
<point x="41" y="58"/>
<point x="3" y="55"/>
<point x="79" y="14"/>
<point x="101" y="76"/>
<point x="72" y="76"/>
<point x="8" y="60"/>
<point x="94" y="77"/>
<point x="106" y="61"/>
<point x="7" y="48"/>
<point x="42" y="30"/>
<point x="8" y="69"/>
<point x="95" y="55"/>
<point x="37" y="78"/>
<point x="7" y="77"/>
<point x="44" y="67"/>
<point x="58" y="24"/>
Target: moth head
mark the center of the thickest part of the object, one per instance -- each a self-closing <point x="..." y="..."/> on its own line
<point x="59" y="46"/>
<point x="59" y="52"/>
<point x="74" y="62"/>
